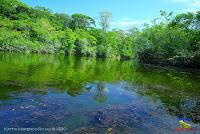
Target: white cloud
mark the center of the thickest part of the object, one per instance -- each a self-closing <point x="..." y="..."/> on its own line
<point x="187" y="5"/>
<point x="194" y="4"/>
<point x="184" y="1"/>
<point x="190" y="5"/>
<point x="128" y="23"/>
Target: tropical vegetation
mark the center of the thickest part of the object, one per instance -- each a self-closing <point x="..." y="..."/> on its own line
<point x="170" y="40"/>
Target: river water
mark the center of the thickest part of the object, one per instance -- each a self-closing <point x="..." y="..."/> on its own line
<point x="60" y="94"/>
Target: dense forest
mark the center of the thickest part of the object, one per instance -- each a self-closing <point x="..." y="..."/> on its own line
<point x="170" y="40"/>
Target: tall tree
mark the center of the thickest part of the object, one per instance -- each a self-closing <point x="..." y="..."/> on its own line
<point x="80" y="21"/>
<point x="105" y="18"/>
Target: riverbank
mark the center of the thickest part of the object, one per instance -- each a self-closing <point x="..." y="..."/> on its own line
<point x="190" y="68"/>
<point x="170" y="41"/>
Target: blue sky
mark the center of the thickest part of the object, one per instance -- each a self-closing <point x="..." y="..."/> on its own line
<point x="125" y="13"/>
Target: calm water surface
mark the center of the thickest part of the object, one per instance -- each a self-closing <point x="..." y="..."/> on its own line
<point x="81" y="95"/>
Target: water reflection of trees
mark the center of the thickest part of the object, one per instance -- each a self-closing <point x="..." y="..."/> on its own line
<point x="100" y="96"/>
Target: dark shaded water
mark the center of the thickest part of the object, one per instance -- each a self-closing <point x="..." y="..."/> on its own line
<point x="81" y="95"/>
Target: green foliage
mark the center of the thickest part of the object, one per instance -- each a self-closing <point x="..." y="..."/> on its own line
<point x="174" y="42"/>
<point x="62" y="20"/>
<point x="85" y="43"/>
<point x="171" y="40"/>
<point x="67" y="42"/>
<point x="101" y="42"/>
<point x="38" y="30"/>
<point x="81" y="21"/>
